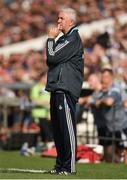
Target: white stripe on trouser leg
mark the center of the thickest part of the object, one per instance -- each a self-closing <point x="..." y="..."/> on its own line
<point x="71" y="134"/>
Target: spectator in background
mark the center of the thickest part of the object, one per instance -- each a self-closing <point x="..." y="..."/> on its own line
<point x="40" y="113"/>
<point x="111" y="106"/>
<point x="95" y="85"/>
<point x="107" y="107"/>
<point x="100" y="49"/>
<point x="8" y="95"/>
<point x="24" y="113"/>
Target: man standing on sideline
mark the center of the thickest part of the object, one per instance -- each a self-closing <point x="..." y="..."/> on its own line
<point x="65" y="77"/>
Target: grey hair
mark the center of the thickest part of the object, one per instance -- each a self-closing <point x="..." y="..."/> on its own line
<point x="72" y="13"/>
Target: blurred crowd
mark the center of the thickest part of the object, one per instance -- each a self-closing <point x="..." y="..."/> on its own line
<point x="103" y="49"/>
<point x="25" y="67"/>
<point x="23" y="20"/>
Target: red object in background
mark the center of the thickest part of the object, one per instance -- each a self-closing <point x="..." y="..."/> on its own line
<point x="34" y="128"/>
<point x="83" y="152"/>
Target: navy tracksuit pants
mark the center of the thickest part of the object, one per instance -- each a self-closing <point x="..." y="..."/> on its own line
<point x="63" y="108"/>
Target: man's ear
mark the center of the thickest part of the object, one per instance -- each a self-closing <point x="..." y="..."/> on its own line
<point x="71" y="22"/>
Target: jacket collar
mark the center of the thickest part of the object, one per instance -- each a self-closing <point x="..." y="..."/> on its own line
<point x="71" y="30"/>
<point x="74" y="28"/>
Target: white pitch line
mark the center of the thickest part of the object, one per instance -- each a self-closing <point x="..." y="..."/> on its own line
<point x="17" y="170"/>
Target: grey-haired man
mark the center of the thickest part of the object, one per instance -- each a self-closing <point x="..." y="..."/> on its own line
<point x="65" y="77"/>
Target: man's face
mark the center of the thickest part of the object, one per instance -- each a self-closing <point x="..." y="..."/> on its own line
<point x="106" y="80"/>
<point x="64" y="22"/>
<point x="93" y="81"/>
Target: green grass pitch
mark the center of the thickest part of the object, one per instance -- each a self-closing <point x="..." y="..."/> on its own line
<point x="12" y="159"/>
